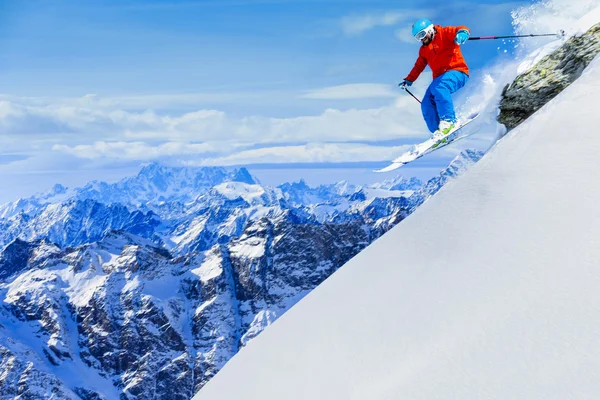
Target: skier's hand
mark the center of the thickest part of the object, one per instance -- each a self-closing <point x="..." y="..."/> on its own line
<point x="461" y="37"/>
<point x="404" y="84"/>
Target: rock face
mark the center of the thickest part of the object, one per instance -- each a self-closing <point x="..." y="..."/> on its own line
<point x="145" y="322"/>
<point x="531" y="90"/>
<point x="105" y="301"/>
<point x="20" y="379"/>
<point x="15" y="258"/>
<point x="76" y="222"/>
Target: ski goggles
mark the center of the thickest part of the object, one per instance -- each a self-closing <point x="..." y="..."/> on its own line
<point x="421" y="35"/>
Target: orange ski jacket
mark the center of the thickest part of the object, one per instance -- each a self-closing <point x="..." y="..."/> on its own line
<point x="442" y="54"/>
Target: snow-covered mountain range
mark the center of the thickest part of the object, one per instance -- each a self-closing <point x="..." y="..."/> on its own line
<point x="145" y="288"/>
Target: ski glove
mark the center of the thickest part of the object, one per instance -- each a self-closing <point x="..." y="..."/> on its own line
<point x="404" y="84"/>
<point x="461" y="37"/>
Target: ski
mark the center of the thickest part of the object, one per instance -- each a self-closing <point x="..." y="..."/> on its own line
<point x="430" y="145"/>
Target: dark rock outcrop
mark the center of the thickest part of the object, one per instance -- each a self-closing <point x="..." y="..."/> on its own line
<point x="15" y="257"/>
<point x="534" y="88"/>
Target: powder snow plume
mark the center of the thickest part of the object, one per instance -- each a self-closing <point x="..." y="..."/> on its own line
<point x="550" y="16"/>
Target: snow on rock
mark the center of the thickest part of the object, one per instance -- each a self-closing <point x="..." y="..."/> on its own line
<point x="548" y="77"/>
<point x="251" y="194"/>
<point x="76" y="222"/>
<point x="157" y="183"/>
<point x="122" y="317"/>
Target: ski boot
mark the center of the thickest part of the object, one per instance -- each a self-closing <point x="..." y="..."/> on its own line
<point x="444" y="129"/>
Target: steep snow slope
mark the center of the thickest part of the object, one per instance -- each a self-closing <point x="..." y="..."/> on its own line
<point x="488" y="291"/>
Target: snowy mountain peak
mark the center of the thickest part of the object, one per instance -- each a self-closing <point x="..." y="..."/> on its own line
<point x="56" y="190"/>
<point x="294" y="186"/>
<point x="344" y="188"/>
<point x="398" y="183"/>
<point x="244" y="176"/>
<point x="250" y="193"/>
<point x="157" y="184"/>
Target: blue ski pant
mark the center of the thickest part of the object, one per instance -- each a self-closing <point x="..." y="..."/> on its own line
<point x="437" y="104"/>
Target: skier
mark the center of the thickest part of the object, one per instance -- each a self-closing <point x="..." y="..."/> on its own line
<point x="440" y="50"/>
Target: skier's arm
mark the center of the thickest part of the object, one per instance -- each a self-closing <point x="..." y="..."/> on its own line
<point x="417" y="69"/>
<point x="453" y="30"/>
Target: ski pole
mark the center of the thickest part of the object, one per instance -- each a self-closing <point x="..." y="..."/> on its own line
<point x="559" y="34"/>
<point x="414" y="97"/>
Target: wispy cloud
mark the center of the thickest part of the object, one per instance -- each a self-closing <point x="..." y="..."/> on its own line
<point x="357" y="24"/>
<point x="69" y="124"/>
<point x="487" y="17"/>
<point x="149" y="101"/>
<point x="97" y="132"/>
<point x="139" y="150"/>
<point x="405" y="35"/>
<point x="308" y="153"/>
<point x="352" y="91"/>
<point x="206" y="154"/>
<point x="219" y="154"/>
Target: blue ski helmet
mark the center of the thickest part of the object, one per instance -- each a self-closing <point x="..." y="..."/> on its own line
<point x="421" y="28"/>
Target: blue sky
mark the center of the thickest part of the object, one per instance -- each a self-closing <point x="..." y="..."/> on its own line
<point x="98" y="86"/>
<point x="71" y="48"/>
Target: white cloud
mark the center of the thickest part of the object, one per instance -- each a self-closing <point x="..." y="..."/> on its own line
<point x="105" y="135"/>
<point x="68" y="124"/>
<point x="481" y="17"/>
<point x="102" y="135"/>
<point x="352" y="91"/>
<point x="139" y="150"/>
<point x="169" y="100"/>
<point x="308" y="153"/>
<point x="357" y="24"/>
<point x="218" y="155"/>
<point x="405" y="35"/>
<point x="154" y="101"/>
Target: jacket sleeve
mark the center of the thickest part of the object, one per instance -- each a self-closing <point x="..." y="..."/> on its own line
<point x="417" y="69"/>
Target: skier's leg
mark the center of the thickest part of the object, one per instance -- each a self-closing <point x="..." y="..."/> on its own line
<point x="430" y="113"/>
<point x="442" y="89"/>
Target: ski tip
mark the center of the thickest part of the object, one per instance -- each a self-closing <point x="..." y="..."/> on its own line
<point x="390" y="167"/>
